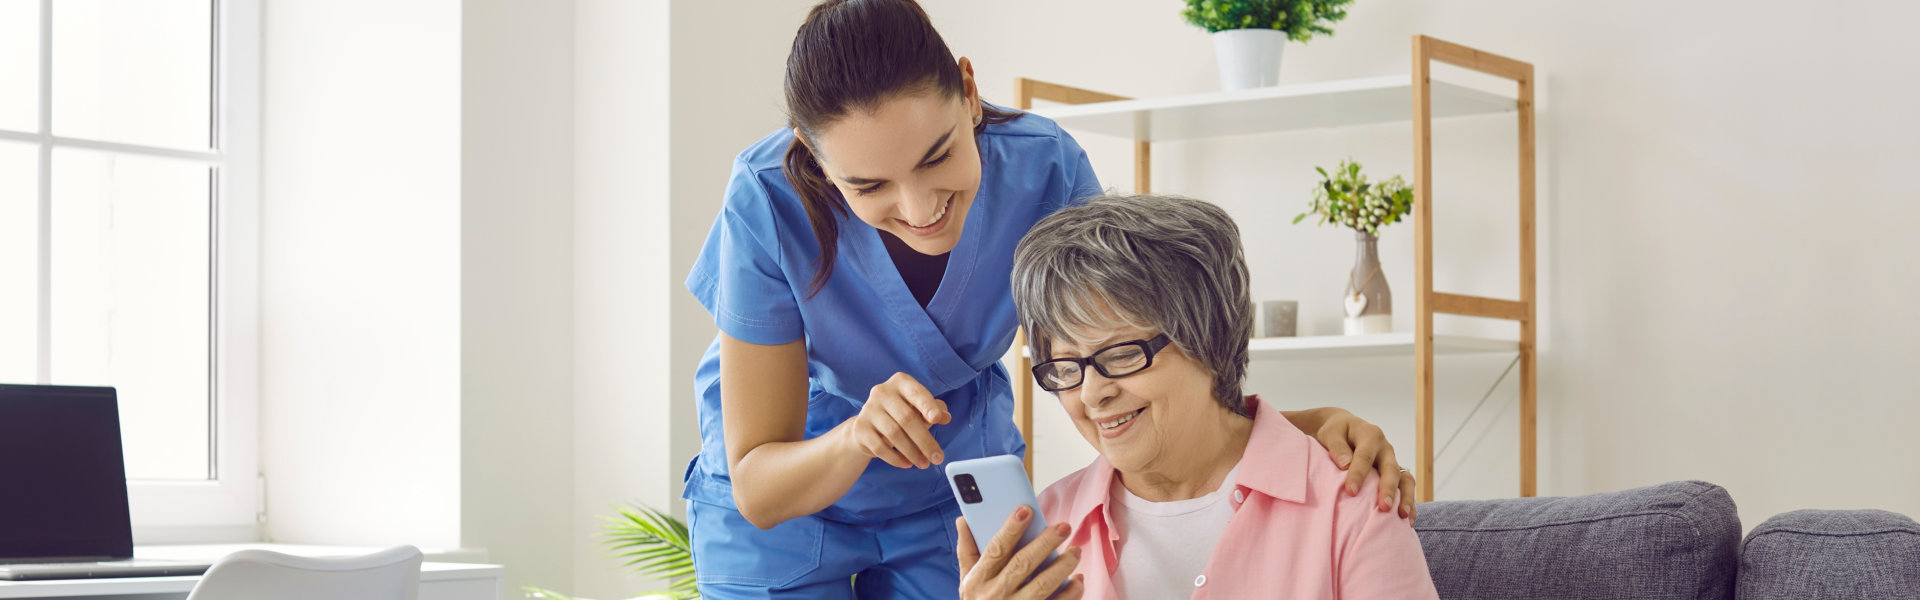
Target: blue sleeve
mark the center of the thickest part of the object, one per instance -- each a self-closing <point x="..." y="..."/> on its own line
<point x="738" y="276"/>
<point x="1081" y="182"/>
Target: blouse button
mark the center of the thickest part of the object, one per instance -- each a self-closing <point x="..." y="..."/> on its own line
<point x="1200" y="581"/>
<point x="1239" y="496"/>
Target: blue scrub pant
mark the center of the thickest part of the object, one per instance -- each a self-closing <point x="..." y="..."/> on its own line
<point x="910" y="557"/>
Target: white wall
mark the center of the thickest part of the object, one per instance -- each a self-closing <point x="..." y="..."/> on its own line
<point x="622" y="280"/>
<point x="727" y="78"/>
<point x="516" y="229"/>
<point x="666" y="94"/>
<point x="360" y="273"/>
<point x="1723" y="286"/>
<point x="417" y="279"/>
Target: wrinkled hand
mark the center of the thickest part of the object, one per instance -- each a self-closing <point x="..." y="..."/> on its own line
<point x="1001" y="571"/>
<point x="1352" y="441"/>
<point x="894" y="425"/>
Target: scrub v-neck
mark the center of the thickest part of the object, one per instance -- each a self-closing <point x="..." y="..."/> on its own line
<point x="925" y="325"/>
<point x="922" y="273"/>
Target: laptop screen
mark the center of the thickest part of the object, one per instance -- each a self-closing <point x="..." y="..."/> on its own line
<point x="63" y="481"/>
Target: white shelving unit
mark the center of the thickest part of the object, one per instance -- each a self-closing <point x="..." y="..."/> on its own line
<point x="1321" y="105"/>
<point x="1371" y="346"/>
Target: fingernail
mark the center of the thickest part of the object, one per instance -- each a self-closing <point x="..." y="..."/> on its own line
<point x="1061" y="529"/>
<point x="1351" y="490"/>
<point x="1344" y="459"/>
<point x="1022" y="512"/>
<point x="1075" y="550"/>
<point x="937" y="457"/>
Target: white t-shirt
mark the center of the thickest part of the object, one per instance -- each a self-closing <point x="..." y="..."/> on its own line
<point x="1164" y="546"/>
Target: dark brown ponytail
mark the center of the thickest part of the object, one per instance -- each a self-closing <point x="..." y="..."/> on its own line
<point x="851" y="55"/>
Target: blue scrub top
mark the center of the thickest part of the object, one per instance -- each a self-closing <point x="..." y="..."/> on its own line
<point x="864" y="325"/>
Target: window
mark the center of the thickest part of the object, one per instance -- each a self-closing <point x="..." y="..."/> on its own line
<point x="128" y="185"/>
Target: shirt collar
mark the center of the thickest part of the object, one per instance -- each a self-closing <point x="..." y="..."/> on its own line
<point x="1275" y="464"/>
<point x="1276" y="461"/>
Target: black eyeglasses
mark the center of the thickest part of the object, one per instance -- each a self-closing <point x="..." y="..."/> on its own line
<point x="1118" y="360"/>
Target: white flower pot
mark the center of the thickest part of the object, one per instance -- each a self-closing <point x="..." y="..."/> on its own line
<point x="1249" y="58"/>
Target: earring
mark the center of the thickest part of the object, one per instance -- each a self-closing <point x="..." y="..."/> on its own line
<point x="976" y="120"/>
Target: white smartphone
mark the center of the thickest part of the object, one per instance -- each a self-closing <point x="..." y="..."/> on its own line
<point x="989" y="489"/>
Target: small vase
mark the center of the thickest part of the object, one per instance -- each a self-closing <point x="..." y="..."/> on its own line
<point x="1367" y="305"/>
<point x="1249" y="58"/>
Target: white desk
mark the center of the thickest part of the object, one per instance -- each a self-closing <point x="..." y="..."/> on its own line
<point x="438" y="581"/>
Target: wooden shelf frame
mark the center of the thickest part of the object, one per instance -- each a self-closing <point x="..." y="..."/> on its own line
<point x="1427" y="301"/>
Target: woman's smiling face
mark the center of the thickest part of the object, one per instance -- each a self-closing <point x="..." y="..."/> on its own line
<point x="1139" y="420"/>
<point x="910" y="166"/>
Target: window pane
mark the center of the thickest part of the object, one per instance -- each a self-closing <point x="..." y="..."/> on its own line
<point x="20" y="65"/>
<point x="134" y="71"/>
<point x="19" y="263"/>
<point x="131" y="274"/>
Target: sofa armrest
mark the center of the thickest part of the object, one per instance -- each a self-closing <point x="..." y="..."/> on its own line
<point x="1812" y="554"/>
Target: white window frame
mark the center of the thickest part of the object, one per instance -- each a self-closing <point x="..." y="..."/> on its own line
<point x="229" y="506"/>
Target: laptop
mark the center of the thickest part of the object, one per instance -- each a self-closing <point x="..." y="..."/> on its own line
<point x="63" y="488"/>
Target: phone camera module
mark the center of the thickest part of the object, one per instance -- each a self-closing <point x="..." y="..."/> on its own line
<point x="969" y="490"/>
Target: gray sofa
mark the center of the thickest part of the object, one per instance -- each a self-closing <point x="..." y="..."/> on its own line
<point x="1677" y="540"/>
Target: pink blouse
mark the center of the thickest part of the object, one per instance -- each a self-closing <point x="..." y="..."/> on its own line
<point x="1295" y="532"/>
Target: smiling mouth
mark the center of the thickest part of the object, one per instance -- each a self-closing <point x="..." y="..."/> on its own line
<point x="1123" y="419"/>
<point x="933" y="223"/>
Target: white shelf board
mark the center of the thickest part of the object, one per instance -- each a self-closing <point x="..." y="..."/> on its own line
<point x="1375" y="345"/>
<point x="1275" y="109"/>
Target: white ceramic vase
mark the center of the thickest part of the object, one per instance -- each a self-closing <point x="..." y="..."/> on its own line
<point x="1249" y="58"/>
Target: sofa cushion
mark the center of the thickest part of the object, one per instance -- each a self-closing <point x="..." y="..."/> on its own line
<point x="1674" y="540"/>
<point x="1809" y="554"/>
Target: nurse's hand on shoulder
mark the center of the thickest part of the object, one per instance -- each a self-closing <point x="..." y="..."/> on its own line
<point x="1353" y="442"/>
<point x="1000" y="570"/>
<point x="894" y="424"/>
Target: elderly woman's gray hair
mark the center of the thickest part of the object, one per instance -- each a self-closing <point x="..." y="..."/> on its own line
<point x="1161" y="263"/>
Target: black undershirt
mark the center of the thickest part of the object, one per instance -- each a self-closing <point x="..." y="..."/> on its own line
<point x="921" y="272"/>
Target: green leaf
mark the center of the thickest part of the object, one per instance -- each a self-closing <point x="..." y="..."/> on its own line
<point x="1348" y="198"/>
<point x="653" y="544"/>
<point x="1301" y="19"/>
<point x="536" y="593"/>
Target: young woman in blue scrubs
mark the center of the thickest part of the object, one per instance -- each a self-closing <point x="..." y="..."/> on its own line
<point x="859" y="275"/>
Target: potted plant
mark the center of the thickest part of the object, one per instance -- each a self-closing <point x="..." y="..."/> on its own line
<point x="654" y="544"/>
<point x="1346" y="198"/>
<point x="1249" y="34"/>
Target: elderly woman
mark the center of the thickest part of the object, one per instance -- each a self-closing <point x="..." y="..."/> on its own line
<point x="1138" y="307"/>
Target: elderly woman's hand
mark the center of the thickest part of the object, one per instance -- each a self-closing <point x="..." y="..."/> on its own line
<point x="1002" y="571"/>
<point x="1352" y="441"/>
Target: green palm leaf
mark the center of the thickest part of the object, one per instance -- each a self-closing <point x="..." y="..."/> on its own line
<point x="653" y="544"/>
<point x="650" y="543"/>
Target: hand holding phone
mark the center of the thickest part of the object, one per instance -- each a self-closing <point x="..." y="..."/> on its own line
<point x="1012" y="551"/>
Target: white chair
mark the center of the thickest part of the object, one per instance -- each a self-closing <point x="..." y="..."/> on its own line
<point x="391" y="574"/>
